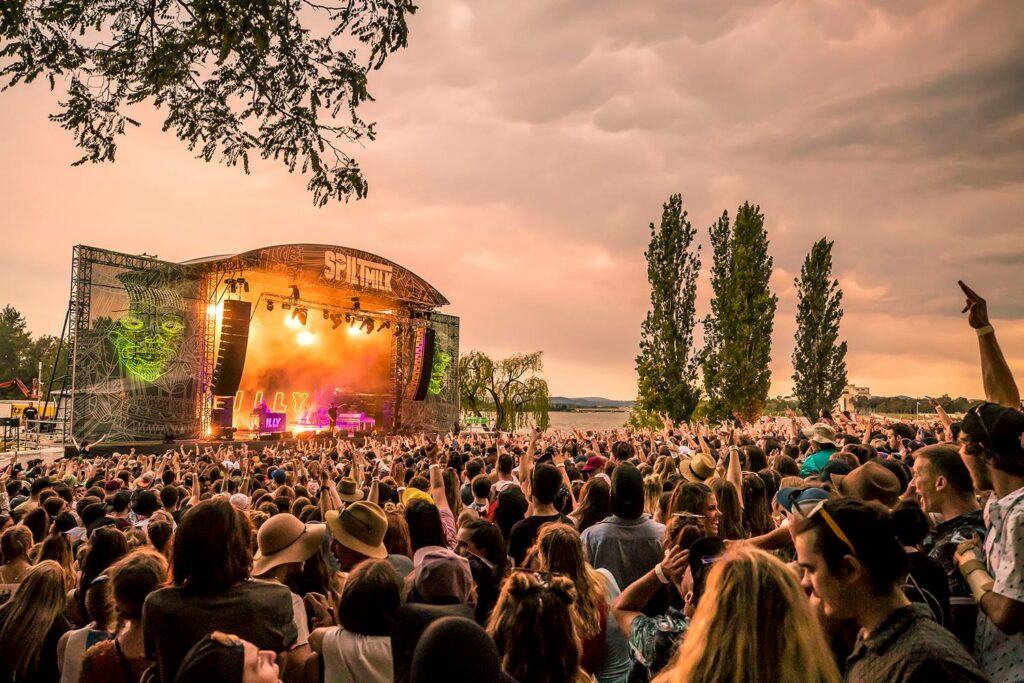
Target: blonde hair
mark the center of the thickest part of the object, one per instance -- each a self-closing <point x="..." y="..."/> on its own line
<point x="754" y="623"/>
<point x="28" y="616"/>
<point x="652" y="493"/>
<point x="561" y="552"/>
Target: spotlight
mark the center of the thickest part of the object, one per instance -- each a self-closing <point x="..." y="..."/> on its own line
<point x="336" y="320"/>
<point x="367" y="325"/>
<point x="295" y="291"/>
<point x="285" y="305"/>
<point x="327" y="316"/>
<point x="232" y="284"/>
<point x="385" y="325"/>
<point x="270" y="305"/>
<point x="302" y="315"/>
<point x="352" y="320"/>
<point x="295" y="311"/>
<point x="243" y="283"/>
<point x="355" y="303"/>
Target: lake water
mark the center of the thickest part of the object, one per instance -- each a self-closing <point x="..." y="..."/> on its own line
<point x="597" y="421"/>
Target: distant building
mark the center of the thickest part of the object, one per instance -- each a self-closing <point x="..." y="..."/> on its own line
<point x="850" y="393"/>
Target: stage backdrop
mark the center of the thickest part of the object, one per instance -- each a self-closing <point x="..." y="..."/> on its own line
<point x="137" y="347"/>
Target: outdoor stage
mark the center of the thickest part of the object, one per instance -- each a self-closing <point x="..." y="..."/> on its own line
<point x="275" y="341"/>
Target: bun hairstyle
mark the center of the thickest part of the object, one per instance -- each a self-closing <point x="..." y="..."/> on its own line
<point x="533" y="627"/>
<point x="873" y="531"/>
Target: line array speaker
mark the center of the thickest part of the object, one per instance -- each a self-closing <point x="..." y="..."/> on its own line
<point x="234" y="339"/>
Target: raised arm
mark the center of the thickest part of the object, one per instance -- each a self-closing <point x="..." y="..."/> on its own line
<point x="995" y="372"/>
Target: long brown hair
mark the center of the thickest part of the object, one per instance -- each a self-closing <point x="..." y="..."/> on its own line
<point x="730" y="525"/>
<point x="533" y="627"/>
<point x="754" y="623"/>
<point x="29" y="616"/>
<point x="561" y="552"/>
<point x="595" y="503"/>
<point x="212" y="548"/>
<point x="57" y="547"/>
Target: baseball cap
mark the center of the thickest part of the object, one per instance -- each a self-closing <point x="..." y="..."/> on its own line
<point x="793" y="495"/>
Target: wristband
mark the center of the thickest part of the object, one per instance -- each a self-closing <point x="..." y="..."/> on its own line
<point x="971" y="566"/>
<point x="982" y="331"/>
<point x="980" y="583"/>
<point x="660" y="574"/>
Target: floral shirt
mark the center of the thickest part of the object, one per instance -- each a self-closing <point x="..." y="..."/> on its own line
<point x="653" y="641"/>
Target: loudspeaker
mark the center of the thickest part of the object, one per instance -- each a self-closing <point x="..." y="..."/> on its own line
<point x="224" y="416"/>
<point x="234" y="338"/>
<point x="425" y="366"/>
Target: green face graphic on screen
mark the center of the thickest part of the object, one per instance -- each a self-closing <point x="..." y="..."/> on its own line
<point x="148" y="335"/>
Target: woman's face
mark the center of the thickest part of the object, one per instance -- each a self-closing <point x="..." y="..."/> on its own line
<point x="259" y="666"/>
<point x="711" y="516"/>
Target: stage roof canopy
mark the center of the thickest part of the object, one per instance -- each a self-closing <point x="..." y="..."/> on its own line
<point x="336" y="266"/>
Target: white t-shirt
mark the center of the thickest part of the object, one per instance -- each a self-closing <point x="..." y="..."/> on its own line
<point x="352" y="658"/>
<point x="299" y="608"/>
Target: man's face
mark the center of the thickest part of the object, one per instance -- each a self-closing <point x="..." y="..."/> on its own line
<point x="924" y="482"/>
<point x="893" y="439"/>
<point x="463" y="545"/>
<point x="976" y="466"/>
<point x="833" y="591"/>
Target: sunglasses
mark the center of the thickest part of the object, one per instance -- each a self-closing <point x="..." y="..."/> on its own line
<point x="976" y="412"/>
<point x="819" y="509"/>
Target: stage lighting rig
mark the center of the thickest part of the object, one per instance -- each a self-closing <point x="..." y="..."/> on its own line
<point x="232" y="284"/>
<point x="336" y="321"/>
<point x="243" y="283"/>
<point x="270" y="305"/>
<point x="295" y="292"/>
<point x="352" y="320"/>
<point x="367" y="325"/>
<point x="355" y="303"/>
<point x="303" y="312"/>
<point x="327" y="315"/>
<point x="385" y="325"/>
<point x="285" y="305"/>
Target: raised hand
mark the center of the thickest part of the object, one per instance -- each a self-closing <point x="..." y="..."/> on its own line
<point x="976" y="308"/>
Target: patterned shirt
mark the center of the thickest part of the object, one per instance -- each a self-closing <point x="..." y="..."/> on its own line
<point x="1001" y="655"/>
<point x="908" y="646"/>
<point x="653" y="641"/>
<point x="941" y="544"/>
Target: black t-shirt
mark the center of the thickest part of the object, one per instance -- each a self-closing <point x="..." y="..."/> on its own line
<point x="524" y="533"/>
<point x="30" y="413"/>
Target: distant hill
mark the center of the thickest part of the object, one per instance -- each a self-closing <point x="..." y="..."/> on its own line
<point x="587" y="402"/>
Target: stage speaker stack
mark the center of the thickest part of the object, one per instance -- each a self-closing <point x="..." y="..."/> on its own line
<point x="423" y="365"/>
<point x="234" y="339"/>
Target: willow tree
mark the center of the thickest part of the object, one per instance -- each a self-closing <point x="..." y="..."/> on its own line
<point x="667" y="364"/>
<point x="738" y="331"/>
<point x="282" y="79"/>
<point x="510" y="387"/>
<point x="819" y="358"/>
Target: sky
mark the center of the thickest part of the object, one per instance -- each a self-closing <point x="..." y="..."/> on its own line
<point x="523" y="149"/>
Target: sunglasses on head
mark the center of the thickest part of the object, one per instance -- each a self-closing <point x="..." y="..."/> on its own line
<point x="819" y="509"/>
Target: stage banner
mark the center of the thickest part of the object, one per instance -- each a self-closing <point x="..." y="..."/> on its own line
<point x="136" y="348"/>
<point x="439" y="411"/>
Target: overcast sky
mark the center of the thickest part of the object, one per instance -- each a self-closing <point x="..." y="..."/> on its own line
<point x="525" y="146"/>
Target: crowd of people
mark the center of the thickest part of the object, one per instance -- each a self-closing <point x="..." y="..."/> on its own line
<point x="856" y="548"/>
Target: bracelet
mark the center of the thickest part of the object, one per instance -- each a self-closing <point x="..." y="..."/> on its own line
<point x="982" y="331"/>
<point x="659" y="572"/>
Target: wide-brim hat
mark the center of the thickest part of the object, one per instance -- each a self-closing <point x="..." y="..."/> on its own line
<point x="821" y="433"/>
<point x="348" y="491"/>
<point x="360" y="527"/>
<point x="871" y="481"/>
<point x="699" y="468"/>
<point x="284" y="539"/>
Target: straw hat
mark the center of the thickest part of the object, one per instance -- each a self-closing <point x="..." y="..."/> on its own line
<point x="283" y="539"/>
<point x="348" y="491"/>
<point x="360" y="527"/>
<point x="699" y="468"/>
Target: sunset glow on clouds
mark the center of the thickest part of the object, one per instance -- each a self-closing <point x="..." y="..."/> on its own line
<point x="523" y="148"/>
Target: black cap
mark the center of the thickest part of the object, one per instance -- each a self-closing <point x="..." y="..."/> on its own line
<point x="996" y="427"/>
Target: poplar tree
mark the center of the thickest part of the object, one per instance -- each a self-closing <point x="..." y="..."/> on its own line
<point x="819" y="358"/>
<point x="738" y="331"/>
<point x="667" y="363"/>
